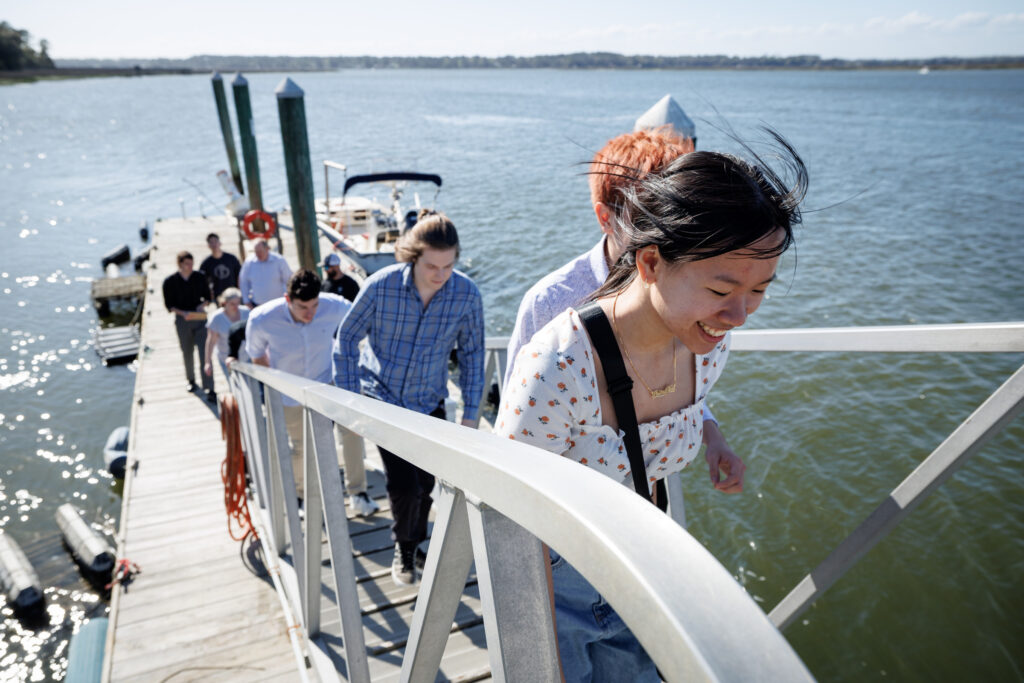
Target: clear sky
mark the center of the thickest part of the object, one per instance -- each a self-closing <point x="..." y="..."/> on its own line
<point x="848" y="29"/>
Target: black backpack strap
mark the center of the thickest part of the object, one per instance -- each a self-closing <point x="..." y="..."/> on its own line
<point x="619" y="386"/>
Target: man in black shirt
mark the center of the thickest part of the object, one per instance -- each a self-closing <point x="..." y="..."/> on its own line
<point x="220" y="267"/>
<point x="337" y="282"/>
<point x="186" y="292"/>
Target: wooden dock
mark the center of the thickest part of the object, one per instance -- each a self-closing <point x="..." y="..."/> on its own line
<point x="197" y="611"/>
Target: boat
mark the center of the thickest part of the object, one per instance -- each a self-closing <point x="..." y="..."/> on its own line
<point x="924" y="71"/>
<point x="115" y="452"/>
<point x="365" y="228"/>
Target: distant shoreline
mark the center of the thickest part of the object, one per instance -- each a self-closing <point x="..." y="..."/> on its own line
<point x="87" y="68"/>
<point x="32" y="75"/>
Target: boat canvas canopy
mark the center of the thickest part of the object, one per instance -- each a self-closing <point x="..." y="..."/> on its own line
<point x="385" y="177"/>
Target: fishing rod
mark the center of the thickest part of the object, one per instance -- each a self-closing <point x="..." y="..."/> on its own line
<point x="200" y="191"/>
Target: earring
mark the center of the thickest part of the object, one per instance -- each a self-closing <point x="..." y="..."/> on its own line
<point x="647" y="285"/>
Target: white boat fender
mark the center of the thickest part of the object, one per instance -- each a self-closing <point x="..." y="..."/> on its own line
<point x="87" y="545"/>
<point x="19" y="580"/>
<point x="115" y="452"/>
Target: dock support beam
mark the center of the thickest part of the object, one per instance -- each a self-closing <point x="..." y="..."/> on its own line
<point x="291" y="110"/>
<point x="225" y="128"/>
<point x="240" y="88"/>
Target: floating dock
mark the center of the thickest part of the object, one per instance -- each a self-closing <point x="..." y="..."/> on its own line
<point x="196" y="610"/>
<point x="107" y="292"/>
<point x="117" y="344"/>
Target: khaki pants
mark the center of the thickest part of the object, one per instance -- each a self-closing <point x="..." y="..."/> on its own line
<point x="348" y="444"/>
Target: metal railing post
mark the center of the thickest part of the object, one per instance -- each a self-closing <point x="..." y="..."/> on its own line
<point x="449" y="559"/>
<point x="277" y="441"/>
<point x="514" y="592"/>
<point x="253" y="434"/>
<point x="314" y="450"/>
<point x="995" y="413"/>
<point x="328" y="483"/>
<point x="285" y="479"/>
<point x="676" y="499"/>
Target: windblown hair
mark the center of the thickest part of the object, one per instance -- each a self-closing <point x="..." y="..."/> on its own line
<point x="705" y="204"/>
<point x="304" y="285"/>
<point x="229" y="294"/>
<point x="628" y="158"/>
<point x="433" y="230"/>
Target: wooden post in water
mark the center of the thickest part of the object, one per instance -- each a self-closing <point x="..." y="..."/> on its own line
<point x="225" y="128"/>
<point x="291" y="110"/>
<point x="240" y="88"/>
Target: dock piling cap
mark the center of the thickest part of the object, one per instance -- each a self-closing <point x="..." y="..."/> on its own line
<point x="288" y="89"/>
<point x="666" y="112"/>
<point x="239" y="80"/>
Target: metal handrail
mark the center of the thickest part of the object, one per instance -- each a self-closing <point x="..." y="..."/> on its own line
<point x="328" y="165"/>
<point x="495" y="489"/>
<point x="694" y="620"/>
<point x="1000" y="337"/>
<point x="998" y="410"/>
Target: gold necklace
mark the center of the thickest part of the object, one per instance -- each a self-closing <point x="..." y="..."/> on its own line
<point x="655" y="393"/>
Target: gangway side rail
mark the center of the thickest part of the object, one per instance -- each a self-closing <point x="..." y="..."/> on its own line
<point x="1001" y="408"/>
<point x="693" y="618"/>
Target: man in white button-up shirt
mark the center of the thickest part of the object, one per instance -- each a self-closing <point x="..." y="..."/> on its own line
<point x="295" y="333"/>
<point x="264" y="275"/>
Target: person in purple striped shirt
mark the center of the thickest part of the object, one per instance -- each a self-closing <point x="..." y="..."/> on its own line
<point x="413" y="314"/>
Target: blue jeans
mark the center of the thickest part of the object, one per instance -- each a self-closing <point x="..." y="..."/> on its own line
<point x="593" y="642"/>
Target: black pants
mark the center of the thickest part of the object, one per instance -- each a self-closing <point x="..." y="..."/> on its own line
<point x="409" y="490"/>
<point x="192" y="336"/>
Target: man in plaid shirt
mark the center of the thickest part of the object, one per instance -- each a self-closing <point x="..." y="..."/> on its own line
<point x="413" y="314"/>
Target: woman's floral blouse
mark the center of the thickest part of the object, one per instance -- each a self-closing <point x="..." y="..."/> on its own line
<point x="551" y="402"/>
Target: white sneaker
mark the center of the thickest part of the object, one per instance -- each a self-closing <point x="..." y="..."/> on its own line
<point x="362" y="504"/>
<point x="403" y="569"/>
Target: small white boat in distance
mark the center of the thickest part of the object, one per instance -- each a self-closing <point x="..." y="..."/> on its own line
<point x="924" y="71"/>
<point x="365" y="228"/>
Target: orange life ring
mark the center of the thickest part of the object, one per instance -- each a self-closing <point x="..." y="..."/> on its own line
<point x="265" y="217"/>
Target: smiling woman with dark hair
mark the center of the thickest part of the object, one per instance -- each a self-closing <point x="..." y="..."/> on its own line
<point x="702" y="240"/>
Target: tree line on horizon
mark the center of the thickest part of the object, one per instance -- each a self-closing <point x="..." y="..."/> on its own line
<point x="578" y="60"/>
<point x="16" y="52"/>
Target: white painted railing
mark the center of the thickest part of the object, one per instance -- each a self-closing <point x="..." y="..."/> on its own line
<point x="500" y="500"/>
<point x="997" y="411"/>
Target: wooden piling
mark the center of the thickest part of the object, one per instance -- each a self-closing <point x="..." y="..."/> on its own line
<point x="291" y="110"/>
<point x="243" y="109"/>
<point x="225" y="128"/>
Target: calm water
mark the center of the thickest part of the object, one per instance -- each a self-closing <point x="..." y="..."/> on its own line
<point x="921" y="195"/>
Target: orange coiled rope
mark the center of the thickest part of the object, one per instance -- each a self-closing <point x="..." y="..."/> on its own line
<point x="232" y="471"/>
